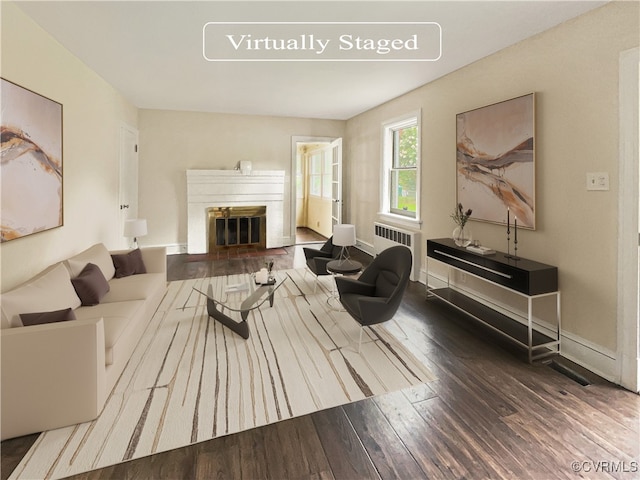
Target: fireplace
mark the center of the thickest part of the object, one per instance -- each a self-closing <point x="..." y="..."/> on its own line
<point x="231" y="227"/>
<point x="207" y="189"/>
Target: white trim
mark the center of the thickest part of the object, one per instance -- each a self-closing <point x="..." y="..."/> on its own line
<point x="628" y="371"/>
<point x="295" y="139"/>
<point x="400" y="221"/>
<point x="385" y="147"/>
<point x="594" y="358"/>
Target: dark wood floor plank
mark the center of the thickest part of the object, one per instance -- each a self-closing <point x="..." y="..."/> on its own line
<point x="219" y="460"/>
<point x="344" y="450"/>
<point x="439" y="448"/>
<point x="297" y="450"/>
<point x="386" y="449"/>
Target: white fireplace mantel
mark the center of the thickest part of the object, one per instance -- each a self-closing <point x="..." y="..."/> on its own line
<point x="232" y="188"/>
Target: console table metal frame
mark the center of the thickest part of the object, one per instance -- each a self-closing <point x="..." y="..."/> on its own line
<point x="493" y="319"/>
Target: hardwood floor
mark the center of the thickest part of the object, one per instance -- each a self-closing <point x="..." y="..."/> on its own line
<point x="489" y="414"/>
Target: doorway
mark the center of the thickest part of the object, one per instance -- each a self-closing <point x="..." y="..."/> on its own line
<point x="316" y="187"/>
<point x="128" y="194"/>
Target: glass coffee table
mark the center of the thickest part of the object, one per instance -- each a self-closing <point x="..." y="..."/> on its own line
<point x="241" y="298"/>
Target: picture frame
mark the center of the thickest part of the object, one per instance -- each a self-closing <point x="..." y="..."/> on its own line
<point x="31" y="162"/>
<point x="495" y="162"/>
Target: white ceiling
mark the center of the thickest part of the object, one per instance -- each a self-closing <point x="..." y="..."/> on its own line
<point x="151" y="51"/>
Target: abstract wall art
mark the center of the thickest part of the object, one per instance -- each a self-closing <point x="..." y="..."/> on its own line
<point x="30" y="162"/>
<point x="495" y="161"/>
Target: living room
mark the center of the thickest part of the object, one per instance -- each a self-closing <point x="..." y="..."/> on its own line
<point x="574" y="70"/>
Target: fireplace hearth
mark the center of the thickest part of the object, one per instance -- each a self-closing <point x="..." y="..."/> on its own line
<point x="232" y="227"/>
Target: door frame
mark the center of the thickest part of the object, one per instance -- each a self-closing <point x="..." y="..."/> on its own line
<point x="131" y="209"/>
<point x="295" y="140"/>
<point x="628" y="340"/>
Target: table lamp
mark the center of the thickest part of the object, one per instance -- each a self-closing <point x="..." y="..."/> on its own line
<point x="344" y="236"/>
<point x="135" y="227"/>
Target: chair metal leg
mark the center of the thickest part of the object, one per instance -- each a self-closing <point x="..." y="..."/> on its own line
<point x="360" y="339"/>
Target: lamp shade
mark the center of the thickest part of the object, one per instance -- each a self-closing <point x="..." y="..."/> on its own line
<point x="344" y="235"/>
<point x="135" y="227"/>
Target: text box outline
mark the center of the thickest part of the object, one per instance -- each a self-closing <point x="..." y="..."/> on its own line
<point x="204" y="55"/>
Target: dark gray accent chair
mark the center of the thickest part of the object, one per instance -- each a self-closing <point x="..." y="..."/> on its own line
<point x="317" y="259"/>
<point x="376" y="295"/>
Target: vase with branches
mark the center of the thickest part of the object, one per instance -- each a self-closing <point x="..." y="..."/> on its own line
<point x="462" y="233"/>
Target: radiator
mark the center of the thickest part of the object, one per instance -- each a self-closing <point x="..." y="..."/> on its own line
<point x="386" y="236"/>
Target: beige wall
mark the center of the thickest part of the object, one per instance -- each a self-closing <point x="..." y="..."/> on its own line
<point x="574" y="71"/>
<point x="92" y="114"/>
<point x="172" y="142"/>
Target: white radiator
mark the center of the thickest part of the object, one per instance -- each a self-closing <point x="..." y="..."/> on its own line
<point x="386" y="236"/>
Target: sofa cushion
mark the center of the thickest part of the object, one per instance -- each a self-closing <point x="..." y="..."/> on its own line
<point x="39" y="318"/>
<point x="98" y="255"/>
<point x="135" y="287"/>
<point x="127" y="264"/>
<point x="90" y="285"/>
<point x="117" y="318"/>
<point x="45" y="293"/>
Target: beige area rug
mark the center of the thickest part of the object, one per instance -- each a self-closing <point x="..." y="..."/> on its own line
<point x="190" y="379"/>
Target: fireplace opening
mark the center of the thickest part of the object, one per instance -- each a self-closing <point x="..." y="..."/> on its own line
<point x="232" y="227"/>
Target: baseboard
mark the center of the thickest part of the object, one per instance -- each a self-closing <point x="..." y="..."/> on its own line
<point x="175" y="248"/>
<point x="365" y="247"/>
<point x="593" y="357"/>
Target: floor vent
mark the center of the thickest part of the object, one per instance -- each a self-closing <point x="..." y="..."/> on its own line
<point x="568" y="372"/>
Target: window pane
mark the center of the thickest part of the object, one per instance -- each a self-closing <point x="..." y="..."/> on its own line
<point x="326" y="186"/>
<point x="316" y="166"/>
<point x="315" y="185"/>
<point x="403" y="192"/>
<point x="405" y="147"/>
<point x="326" y="168"/>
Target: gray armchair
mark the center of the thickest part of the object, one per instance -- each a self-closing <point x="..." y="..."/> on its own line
<point x="376" y="295"/>
<point x="317" y="259"/>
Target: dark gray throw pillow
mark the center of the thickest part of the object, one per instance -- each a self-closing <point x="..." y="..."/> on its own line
<point x="39" y="318"/>
<point x="128" y="263"/>
<point x="90" y="285"/>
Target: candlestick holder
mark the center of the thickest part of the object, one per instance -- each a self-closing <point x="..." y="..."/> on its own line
<point x="515" y="244"/>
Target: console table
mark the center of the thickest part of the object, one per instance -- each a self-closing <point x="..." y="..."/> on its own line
<point x="529" y="279"/>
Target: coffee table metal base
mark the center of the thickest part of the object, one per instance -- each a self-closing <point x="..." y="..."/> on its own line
<point x="215" y="310"/>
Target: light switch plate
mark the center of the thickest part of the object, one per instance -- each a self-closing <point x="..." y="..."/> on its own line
<point x="598" y="181"/>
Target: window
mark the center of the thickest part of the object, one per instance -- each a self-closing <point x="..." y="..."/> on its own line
<point x="320" y="174"/>
<point x="400" y="193"/>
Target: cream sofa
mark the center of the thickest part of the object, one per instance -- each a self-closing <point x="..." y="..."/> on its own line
<point x="60" y="374"/>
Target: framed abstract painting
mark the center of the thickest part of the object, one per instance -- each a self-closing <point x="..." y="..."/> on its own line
<point x="31" y="162"/>
<point x="495" y="161"/>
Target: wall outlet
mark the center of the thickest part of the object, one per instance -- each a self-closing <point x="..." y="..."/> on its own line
<point x="598" y="181"/>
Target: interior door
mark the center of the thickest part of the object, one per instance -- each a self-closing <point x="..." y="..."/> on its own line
<point x="128" y="197"/>
<point x="336" y="181"/>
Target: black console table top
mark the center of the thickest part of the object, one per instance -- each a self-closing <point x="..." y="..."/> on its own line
<point x="522" y="275"/>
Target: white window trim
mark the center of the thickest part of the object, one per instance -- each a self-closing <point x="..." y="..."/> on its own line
<point x="385" y="163"/>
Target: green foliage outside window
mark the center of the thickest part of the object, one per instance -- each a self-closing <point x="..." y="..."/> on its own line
<point x="404" y="170"/>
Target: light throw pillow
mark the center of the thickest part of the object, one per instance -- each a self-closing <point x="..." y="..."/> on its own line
<point x="127" y="264"/>
<point x="98" y="255"/>
<point x="46" y="293"/>
<point x="90" y="285"/>
<point x="39" y="318"/>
